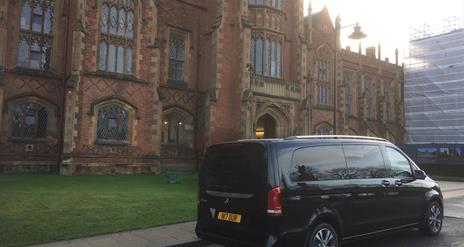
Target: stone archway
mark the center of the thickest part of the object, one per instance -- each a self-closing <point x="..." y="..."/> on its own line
<point x="266" y="127"/>
<point x="274" y="119"/>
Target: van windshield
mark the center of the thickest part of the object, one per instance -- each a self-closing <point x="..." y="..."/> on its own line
<point x="236" y="167"/>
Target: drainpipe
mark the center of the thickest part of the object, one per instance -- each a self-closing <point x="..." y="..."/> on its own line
<point x="65" y="73"/>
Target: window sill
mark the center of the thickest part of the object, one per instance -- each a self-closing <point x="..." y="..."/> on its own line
<point x="324" y="107"/>
<point x="111" y="143"/>
<point x="27" y="140"/>
<point x="263" y="6"/>
<point x="117" y="76"/>
<point x="178" y="84"/>
<point x="35" y="72"/>
<point x="169" y="145"/>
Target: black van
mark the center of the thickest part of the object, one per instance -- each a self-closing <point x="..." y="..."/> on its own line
<point x="312" y="191"/>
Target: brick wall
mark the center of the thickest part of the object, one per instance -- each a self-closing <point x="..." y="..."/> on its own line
<point x="215" y="90"/>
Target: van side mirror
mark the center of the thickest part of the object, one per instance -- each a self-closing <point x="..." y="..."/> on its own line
<point x="419" y="174"/>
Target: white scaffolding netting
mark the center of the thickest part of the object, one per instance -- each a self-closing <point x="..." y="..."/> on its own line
<point x="434" y="89"/>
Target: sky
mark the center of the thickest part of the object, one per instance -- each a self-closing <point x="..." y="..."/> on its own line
<point x="388" y="22"/>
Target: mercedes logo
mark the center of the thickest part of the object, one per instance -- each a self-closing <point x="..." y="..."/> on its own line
<point x="226" y="201"/>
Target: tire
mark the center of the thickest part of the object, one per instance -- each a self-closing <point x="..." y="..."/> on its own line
<point x="323" y="235"/>
<point x="433" y="219"/>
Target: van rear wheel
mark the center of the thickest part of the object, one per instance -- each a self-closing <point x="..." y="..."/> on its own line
<point x="323" y="235"/>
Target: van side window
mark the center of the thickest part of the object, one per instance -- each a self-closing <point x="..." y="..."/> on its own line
<point x="399" y="164"/>
<point x="318" y="163"/>
<point x="365" y="161"/>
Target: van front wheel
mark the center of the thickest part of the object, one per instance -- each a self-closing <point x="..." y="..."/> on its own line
<point x="323" y="235"/>
<point x="433" y="219"/>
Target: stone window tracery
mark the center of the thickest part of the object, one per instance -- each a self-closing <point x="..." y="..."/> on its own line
<point x="35" y="36"/>
<point x="113" y="124"/>
<point x="117" y="26"/>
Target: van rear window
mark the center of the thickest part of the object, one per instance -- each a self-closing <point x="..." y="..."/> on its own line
<point x="235" y="168"/>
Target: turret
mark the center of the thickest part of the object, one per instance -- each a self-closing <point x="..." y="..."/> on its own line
<point x="337" y="30"/>
<point x="379" y="51"/>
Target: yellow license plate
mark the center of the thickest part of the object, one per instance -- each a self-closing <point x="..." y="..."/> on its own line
<point x="236" y="218"/>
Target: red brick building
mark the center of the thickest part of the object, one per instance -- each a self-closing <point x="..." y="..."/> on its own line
<point x="138" y="86"/>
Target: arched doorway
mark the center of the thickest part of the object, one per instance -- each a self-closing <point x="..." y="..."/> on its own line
<point x="266" y="127"/>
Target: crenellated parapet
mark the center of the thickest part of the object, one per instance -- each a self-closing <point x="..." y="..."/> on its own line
<point x="369" y="61"/>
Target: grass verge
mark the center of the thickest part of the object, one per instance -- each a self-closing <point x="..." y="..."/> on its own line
<point x="44" y="208"/>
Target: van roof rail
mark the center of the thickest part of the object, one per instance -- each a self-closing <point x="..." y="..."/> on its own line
<point x="336" y="137"/>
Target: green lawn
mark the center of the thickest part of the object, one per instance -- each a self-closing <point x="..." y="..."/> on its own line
<point x="43" y="208"/>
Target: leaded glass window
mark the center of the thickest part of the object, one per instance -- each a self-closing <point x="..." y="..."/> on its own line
<point x="35" y="37"/>
<point x="324" y="129"/>
<point x="323" y="70"/>
<point x="271" y="3"/>
<point x="177" y="56"/>
<point x="370" y="104"/>
<point x="387" y="103"/>
<point x="349" y="94"/>
<point x="113" y="124"/>
<point x="322" y="94"/>
<point x="178" y="128"/>
<point x="265" y="56"/>
<point x="117" y="36"/>
<point x="29" y="121"/>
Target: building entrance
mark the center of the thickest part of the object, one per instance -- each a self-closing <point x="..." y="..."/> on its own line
<point x="266" y="127"/>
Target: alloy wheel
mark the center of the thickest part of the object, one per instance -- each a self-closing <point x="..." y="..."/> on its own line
<point x="435" y="218"/>
<point x="324" y="238"/>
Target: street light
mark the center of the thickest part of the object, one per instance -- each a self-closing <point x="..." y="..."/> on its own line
<point x="356" y="35"/>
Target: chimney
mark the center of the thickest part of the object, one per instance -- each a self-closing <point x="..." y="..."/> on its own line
<point x="370" y="51"/>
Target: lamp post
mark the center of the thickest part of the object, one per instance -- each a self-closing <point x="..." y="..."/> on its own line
<point x="356" y="35"/>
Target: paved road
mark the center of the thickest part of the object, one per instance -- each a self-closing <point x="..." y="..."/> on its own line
<point x="452" y="235"/>
<point x="453" y="192"/>
<point x="453" y="228"/>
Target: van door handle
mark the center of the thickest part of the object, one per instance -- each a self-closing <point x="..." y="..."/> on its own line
<point x="398" y="182"/>
<point x="385" y="183"/>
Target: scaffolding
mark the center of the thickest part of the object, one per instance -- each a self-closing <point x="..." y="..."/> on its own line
<point x="434" y="84"/>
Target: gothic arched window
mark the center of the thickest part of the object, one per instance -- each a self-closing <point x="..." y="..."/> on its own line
<point x="349" y="93"/>
<point x="177" y="128"/>
<point x="117" y="26"/>
<point x="113" y="124"/>
<point x="324" y="129"/>
<point x="387" y="115"/>
<point x="370" y="100"/>
<point x="266" y="55"/>
<point x="35" y="36"/>
<point x="324" y="69"/>
<point x="177" y="52"/>
<point x="29" y="121"/>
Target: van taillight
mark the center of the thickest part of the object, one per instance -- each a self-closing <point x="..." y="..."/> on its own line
<point x="198" y="197"/>
<point x="274" y="204"/>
